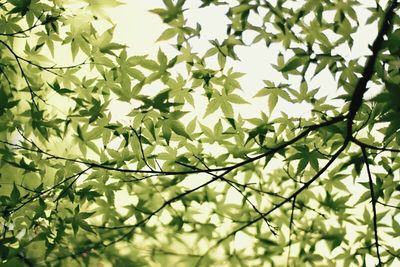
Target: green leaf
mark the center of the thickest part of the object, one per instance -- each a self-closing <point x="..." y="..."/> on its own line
<point x="292" y="64"/>
<point x="236" y="99"/>
<point x="21" y="6"/>
<point x="166" y="133"/>
<point x="212" y="106"/>
<point x="108" y="48"/>
<point x="162" y="59"/>
<point x="334" y="237"/>
<point x="179" y="129"/>
<point x="15" y="194"/>
<point x="62" y="91"/>
<point x="98" y="145"/>
<point x="272" y="101"/>
<point x="167" y="34"/>
<point x="5" y="102"/>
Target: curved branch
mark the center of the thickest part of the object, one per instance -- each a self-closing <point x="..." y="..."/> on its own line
<point x="361" y="87"/>
<point x="362" y="144"/>
<point x="388" y="205"/>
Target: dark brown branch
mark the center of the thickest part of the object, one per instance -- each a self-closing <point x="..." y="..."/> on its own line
<point x="374" y="147"/>
<point x="290" y="229"/>
<point x="271" y="227"/>
<point x="160" y="251"/>
<point x="361" y="87"/>
<point x="388" y="205"/>
<point x="5" y="76"/>
<point x="373" y="200"/>
<point x="391" y="253"/>
<point x="54" y="67"/>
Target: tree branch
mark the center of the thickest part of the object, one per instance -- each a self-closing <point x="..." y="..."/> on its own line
<point x="361" y="87"/>
<point x="373" y="200"/>
<point x="181" y="195"/>
<point x="388" y="205"/>
<point x="39" y="194"/>
<point x="290" y="229"/>
<point x="45" y="68"/>
<point x="16" y="34"/>
<point x="362" y="144"/>
<point x="277" y="206"/>
<point x="33" y="94"/>
<point x="228" y="168"/>
<point x="233" y="185"/>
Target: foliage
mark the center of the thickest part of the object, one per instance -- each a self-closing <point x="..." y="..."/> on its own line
<point x="66" y="160"/>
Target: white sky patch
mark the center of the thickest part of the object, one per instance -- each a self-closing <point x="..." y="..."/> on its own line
<point x="136" y="26"/>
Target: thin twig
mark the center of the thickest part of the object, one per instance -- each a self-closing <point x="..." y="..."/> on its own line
<point x="374" y="147"/>
<point x="388" y="205"/>
<point x="139" y="135"/>
<point x="32" y="93"/>
<point x="39" y="194"/>
<point x="273" y="194"/>
<point x="16" y="34"/>
<point x="290" y="229"/>
<point x="373" y="201"/>
<point x="278" y="14"/>
<point x="271" y="227"/>
<point x="277" y="206"/>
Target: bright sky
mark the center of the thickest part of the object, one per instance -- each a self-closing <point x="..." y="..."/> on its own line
<point x="139" y="29"/>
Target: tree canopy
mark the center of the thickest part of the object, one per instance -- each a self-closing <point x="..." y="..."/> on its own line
<point x="207" y="186"/>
